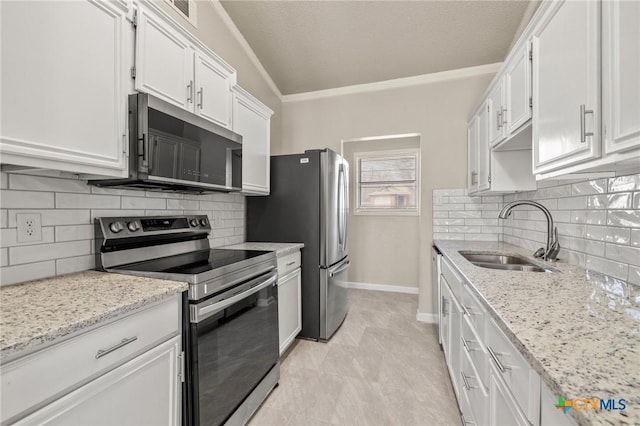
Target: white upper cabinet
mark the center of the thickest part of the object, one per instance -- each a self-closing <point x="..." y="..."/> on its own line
<point x="566" y="85"/>
<point x="252" y="120"/>
<point x="64" y="104"/>
<point x="484" y="157"/>
<point x="621" y="75"/>
<point x="173" y="66"/>
<point x="164" y="61"/>
<point x="518" y="90"/>
<point x="497" y="111"/>
<point x="213" y="90"/>
<point x="472" y="154"/>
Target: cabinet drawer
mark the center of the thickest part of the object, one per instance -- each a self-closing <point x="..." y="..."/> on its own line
<point x="474" y="390"/>
<point x="454" y="280"/>
<point x="288" y="263"/>
<point x="474" y="311"/>
<point x="511" y="365"/>
<point x="53" y="371"/>
<point x="474" y="347"/>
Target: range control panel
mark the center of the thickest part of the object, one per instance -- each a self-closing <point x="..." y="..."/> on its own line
<point x="124" y="227"/>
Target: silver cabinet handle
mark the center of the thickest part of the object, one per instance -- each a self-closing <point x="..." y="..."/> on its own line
<point x="499" y="119"/>
<point x="502" y="116"/>
<point x="474" y="176"/>
<point x="201" y="94"/>
<point x="190" y="92"/>
<point x="499" y="364"/>
<point x="445" y="306"/>
<point x="583" y="130"/>
<point x="290" y="263"/>
<point x="124" y="342"/>
<point x="465" y="311"/>
<point x="465" y="343"/>
<point x="465" y="382"/>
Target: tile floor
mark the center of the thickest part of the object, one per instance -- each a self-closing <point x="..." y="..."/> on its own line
<point x="382" y="367"/>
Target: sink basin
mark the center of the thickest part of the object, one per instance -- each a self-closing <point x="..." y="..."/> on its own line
<point x="502" y="262"/>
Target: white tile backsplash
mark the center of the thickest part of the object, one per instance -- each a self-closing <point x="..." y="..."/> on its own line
<point x="598" y="221"/>
<point x="68" y="208"/>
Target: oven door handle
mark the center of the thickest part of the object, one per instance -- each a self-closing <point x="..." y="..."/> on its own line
<point x="205" y="312"/>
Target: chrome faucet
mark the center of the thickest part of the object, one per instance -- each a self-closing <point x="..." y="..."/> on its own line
<point x="553" y="246"/>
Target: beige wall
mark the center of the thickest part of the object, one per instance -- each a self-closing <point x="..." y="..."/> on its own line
<point x="214" y="33"/>
<point x="374" y="239"/>
<point x="437" y="111"/>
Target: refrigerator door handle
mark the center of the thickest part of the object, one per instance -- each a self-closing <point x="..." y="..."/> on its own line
<point x="341" y="206"/>
<point x="341" y="268"/>
<point x="345" y="208"/>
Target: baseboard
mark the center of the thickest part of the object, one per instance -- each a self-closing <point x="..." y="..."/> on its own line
<point x="426" y="317"/>
<point x="384" y="287"/>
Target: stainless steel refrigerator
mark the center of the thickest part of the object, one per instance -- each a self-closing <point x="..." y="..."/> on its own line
<point x="309" y="203"/>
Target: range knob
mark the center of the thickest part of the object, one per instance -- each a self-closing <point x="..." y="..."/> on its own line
<point x="203" y="222"/>
<point x="193" y="222"/>
<point x="133" y="226"/>
<point x="116" y="227"/>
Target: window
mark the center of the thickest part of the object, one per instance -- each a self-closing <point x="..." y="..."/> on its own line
<point x="186" y="7"/>
<point x="387" y="182"/>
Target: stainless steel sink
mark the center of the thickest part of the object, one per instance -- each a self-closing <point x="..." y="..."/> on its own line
<point x="503" y="262"/>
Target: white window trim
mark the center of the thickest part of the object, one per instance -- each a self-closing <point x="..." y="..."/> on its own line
<point x="385" y="154"/>
<point x="193" y="12"/>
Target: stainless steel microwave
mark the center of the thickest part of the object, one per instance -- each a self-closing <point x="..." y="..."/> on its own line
<point x="171" y="149"/>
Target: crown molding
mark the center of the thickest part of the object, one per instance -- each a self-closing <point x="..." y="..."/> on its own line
<point x="245" y="46"/>
<point x="396" y="83"/>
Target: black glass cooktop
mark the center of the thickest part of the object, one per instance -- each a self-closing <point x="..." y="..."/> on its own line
<point x="195" y="262"/>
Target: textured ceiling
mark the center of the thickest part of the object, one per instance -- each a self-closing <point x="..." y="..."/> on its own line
<point x="314" y="45"/>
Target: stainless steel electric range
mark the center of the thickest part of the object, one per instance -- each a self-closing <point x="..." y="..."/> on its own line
<point x="231" y="312"/>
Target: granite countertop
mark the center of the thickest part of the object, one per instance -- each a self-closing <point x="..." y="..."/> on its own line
<point x="281" y="249"/>
<point x="38" y="312"/>
<point x="579" y="329"/>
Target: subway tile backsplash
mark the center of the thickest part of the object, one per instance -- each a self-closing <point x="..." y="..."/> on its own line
<point x="598" y="221"/>
<point x="67" y="208"/>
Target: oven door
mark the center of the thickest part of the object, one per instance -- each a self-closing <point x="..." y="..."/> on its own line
<point x="234" y="344"/>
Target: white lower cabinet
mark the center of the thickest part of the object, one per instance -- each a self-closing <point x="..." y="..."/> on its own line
<point x="493" y="382"/>
<point x="128" y="371"/>
<point x="143" y="391"/>
<point x="289" y="299"/>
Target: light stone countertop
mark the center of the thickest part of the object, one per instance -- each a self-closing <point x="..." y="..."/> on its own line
<point x="281" y="249"/>
<point x="579" y="329"/>
<point x="38" y="312"/>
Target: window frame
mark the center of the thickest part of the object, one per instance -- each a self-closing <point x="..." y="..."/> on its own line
<point x="386" y="154"/>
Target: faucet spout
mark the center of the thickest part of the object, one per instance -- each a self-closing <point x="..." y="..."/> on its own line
<point x="553" y="246"/>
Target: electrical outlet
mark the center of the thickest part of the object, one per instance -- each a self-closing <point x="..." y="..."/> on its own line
<point x="29" y="227"/>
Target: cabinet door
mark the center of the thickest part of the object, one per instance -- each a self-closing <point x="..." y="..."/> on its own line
<point x="144" y="391"/>
<point x="63" y="96"/>
<point x="289" y="308"/>
<point x="213" y="90"/>
<point x="164" y="61"/>
<point x="484" y="157"/>
<point x="621" y="75"/>
<point x="445" y="318"/>
<point x="453" y="342"/>
<point x="496" y="111"/>
<point x="566" y="85"/>
<point x="503" y="410"/>
<point x="472" y="155"/>
<point x="252" y="122"/>
<point x="518" y="90"/>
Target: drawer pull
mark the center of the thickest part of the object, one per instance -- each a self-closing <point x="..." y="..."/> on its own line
<point x="465" y="382"/>
<point x="290" y="263"/>
<point x="499" y="364"/>
<point x="467" y="310"/>
<point x="124" y="342"/>
<point x="465" y="343"/>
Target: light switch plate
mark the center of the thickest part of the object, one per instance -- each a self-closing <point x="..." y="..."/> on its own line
<point x="29" y="227"/>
